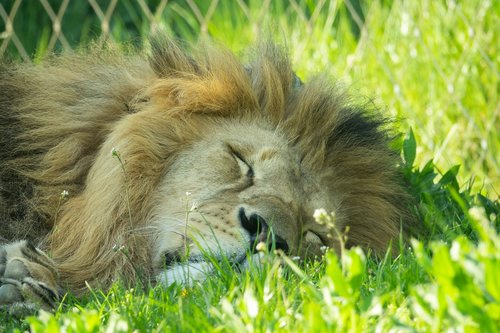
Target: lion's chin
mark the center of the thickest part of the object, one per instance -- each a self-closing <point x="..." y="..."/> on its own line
<point x="195" y="269"/>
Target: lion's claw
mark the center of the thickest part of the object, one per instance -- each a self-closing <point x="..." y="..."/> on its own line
<point x="27" y="279"/>
<point x="9" y="294"/>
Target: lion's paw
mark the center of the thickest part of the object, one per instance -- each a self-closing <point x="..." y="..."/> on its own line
<point x="28" y="279"/>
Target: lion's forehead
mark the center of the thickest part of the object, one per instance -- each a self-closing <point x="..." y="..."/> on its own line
<point x="274" y="161"/>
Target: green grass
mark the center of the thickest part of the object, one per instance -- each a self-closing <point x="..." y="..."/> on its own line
<point x="433" y="287"/>
<point x="434" y="66"/>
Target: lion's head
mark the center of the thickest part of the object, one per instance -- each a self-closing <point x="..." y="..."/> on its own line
<point x="192" y="152"/>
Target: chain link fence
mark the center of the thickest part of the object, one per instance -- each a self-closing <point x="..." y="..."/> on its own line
<point x="31" y="26"/>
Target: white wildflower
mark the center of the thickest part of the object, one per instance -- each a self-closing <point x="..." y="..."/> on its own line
<point x="251" y="304"/>
<point x="323" y="218"/>
<point x="320" y="214"/>
<point x="118" y="248"/>
<point x="261" y="247"/>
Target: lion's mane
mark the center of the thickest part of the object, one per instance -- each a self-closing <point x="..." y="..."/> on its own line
<point x="62" y="121"/>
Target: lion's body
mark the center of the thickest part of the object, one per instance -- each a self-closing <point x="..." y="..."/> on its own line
<point x="127" y="138"/>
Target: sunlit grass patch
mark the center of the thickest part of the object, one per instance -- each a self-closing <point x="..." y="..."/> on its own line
<point x="428" y="288"/>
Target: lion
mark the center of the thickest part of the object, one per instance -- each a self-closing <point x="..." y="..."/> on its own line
<point x="115" y="159"/>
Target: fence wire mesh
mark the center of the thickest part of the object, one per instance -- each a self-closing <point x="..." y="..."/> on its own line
<point x="47" y="23"/>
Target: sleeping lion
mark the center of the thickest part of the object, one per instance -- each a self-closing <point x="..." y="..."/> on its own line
<point x="116" y="164"/>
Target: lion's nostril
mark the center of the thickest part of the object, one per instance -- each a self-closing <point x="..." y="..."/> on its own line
<point x="252" y="224"/>
<point x="279" y="243"/>
<point x="260" y="232"/>
<point x="258" y="223"/>
<point x="274" y="241"/>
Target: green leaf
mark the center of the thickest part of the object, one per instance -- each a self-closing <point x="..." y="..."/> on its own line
<point x="409" y="148"/>
<point x="355" y="261"/>
<point x="450" y="177"/>
<point x="335" y="277"/>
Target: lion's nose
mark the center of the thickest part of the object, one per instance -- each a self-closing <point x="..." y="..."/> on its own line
<point x="259" y="231"/>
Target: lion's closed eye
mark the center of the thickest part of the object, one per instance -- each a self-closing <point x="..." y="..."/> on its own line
<point x="245" y="167"/>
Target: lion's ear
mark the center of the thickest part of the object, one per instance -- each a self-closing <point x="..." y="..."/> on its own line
<point x="168" y="58"/>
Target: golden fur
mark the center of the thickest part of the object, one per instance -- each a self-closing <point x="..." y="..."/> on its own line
<point x="127" y="135"/>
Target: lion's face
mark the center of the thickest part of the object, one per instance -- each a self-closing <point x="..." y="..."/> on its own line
<point x="239" y="185"/>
